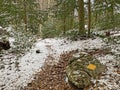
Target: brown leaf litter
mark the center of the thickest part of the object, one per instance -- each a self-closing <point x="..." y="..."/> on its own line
<point x="52" y="77"/>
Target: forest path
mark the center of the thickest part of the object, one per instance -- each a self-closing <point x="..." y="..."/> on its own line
<point x="31" y="63"/>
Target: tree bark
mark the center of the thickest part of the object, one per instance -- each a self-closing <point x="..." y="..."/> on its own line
<point x="81" y="17"/>
<point x="25" y="16"/>
<point x="112" y="15"/>
<point x="89" y="16"/>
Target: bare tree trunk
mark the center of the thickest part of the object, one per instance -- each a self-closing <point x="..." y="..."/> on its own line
<point x="25" y="16"/>
<point x="112" y="15"/>
<point x="64" y="25"/>
<point x="81" y="17"/>
<point x="71" y="20"/>
<point x="89" y="16"/>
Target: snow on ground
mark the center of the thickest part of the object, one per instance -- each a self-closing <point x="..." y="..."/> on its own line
<point x="110" y="79"/>
<point x="14" y="75"/>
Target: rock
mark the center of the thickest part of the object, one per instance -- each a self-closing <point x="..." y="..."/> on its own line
<point x="29" y="84"/>
<point x="107" y="33"/>
<point x="81" y="70"/>
<point x="38" y="51"/>
<point x="2" y="66"/>
<point x="4" y="44"/>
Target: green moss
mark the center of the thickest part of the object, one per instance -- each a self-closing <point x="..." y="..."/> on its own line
<point x="78" y="73"/>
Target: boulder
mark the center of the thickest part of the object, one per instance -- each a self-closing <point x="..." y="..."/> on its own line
<point x="81" y="70"/>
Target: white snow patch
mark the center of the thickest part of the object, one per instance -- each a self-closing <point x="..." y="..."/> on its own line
<point x="1" y="27"/>
<point x="9" y="28"/>
<point x="11" y="40"/>
<point x="13" y="78"/>
<point x="115" y="35"/>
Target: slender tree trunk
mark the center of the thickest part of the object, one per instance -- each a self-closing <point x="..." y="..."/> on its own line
<point x="89" y="16"/>
<point x="81" y="17"/>
<point x="112" y="15"/>
<point x="71" y="19"/>
<point x="64" y="24"/>
<point x="25" y="16"/>
<point x="96" y="19"/>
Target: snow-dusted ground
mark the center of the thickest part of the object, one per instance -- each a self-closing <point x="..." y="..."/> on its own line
<point x="16" y="75"/>
<point x="111" y="79"/>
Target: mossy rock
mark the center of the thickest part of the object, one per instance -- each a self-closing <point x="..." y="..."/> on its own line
<point x="82" y="69"/>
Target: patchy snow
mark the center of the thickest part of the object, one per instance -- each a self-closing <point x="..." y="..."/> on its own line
<point x="1" y="27"/>
<point x="9" y="28"/>
<point x="115" y="35"/>
<point x="17" y="72"/>
<point x="111" y="75"/>
<point x="11" y="40"/>
<point x="110" y="80"/>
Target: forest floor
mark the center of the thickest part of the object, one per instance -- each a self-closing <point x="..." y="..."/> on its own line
<point x="43" y="67"/>
<point x="53" y="75"/>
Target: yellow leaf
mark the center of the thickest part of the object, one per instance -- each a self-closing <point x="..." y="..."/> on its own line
<point x="91" y="66"/>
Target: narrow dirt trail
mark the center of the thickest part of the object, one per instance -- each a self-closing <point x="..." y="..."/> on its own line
<point x="52" y="76"/>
